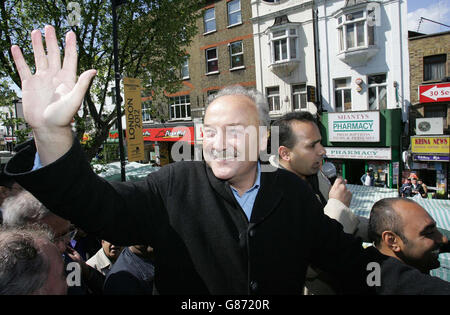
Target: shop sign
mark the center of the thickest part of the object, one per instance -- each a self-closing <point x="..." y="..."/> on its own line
<point x="431" y="145"/>
<point x="354" y="127"/>
<point x="113" y="137"/>
<point x="434" y="93"/>
<point x="359" y="153"/>
<point x="10" y="139"/>
<point x="436" y="158"/>
<point x="180" y="133"/>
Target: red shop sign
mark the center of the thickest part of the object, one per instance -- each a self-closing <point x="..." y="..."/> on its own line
<point x="434" y="93"/>
<point x="169" y="134"/>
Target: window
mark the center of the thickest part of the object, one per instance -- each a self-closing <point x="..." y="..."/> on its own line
<point x="212" y="92"/>
<point x="354" y="31"/>
<point x="185" y="69"/>
<point x="273" y="97"/>
<point x="299" y="96"/>
<point x="236" y="55"/>
<point x="343" y="95"/>
<point x="180" y="107"/>
<point x="284" y="45"/>
<point x="212" y="63"/>
<point x="210" y="20"/>
<point x="234" y="12"/>
<point x="434" y="67"/>
<point x="377" y="91"/>
<point x="435" y="110"/>
<point x="146" y="108"/>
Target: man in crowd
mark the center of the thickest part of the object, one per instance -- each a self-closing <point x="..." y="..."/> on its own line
<point x="416" y="188"/>
<point x="405" y="190"/>
<point x="301" y="152"/>
<point x="220" y="227"/>
<point x="133" y="272"/>
<point x="401" y="229"/>
<point x="30" y="263"/>
<point x="105" y="257"/>
<point x="368" y="179"/>
<point x="23" y="209"/>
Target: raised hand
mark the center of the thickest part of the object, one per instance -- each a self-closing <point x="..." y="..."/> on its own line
<point x="340" y="192"/>
<point x="52" y="95"/>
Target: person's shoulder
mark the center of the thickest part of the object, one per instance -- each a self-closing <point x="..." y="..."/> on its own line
<point x="400" y="278"/>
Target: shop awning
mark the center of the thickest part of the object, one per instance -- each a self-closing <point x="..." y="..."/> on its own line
<point x="364" y="198"/>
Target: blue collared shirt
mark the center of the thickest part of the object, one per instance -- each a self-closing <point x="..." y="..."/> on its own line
<point x="37" y="162"/>
<point x="247" y="200"/>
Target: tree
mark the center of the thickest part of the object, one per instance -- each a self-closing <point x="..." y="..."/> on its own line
<point x="152" y="37"/>
<point x="16" y="126"/>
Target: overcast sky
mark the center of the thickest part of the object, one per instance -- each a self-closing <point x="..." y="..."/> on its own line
<point x="436" y="10"/>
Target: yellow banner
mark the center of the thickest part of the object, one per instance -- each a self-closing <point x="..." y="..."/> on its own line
<point x="133" y="114"/>
<point x="439" y="145"/>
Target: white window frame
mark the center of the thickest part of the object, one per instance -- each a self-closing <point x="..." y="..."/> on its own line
<point x="181" y="102"/>
<point x="212" y="19"/>
<point x="146" y="108"/>
<point x="184" y="67"/>
<point x="287" y="37"/>
<point x="229" y="13"/>
<point x="298" y="95"/>
<point x="344" y="22"/>
<point x="212" y="59"/>
<point x="273" y="97"/>
<point x="241" y="53"/>
<point x="377" y="89"/>
<point x="341" y="91"/>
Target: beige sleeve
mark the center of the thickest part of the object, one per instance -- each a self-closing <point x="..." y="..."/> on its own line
<point x="335" y="209"/>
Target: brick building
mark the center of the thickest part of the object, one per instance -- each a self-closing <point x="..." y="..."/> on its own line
<point x="429" y="115"/>
<point x="221" y="54"/>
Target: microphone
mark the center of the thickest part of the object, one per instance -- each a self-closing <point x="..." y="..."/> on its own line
<point x="329" y="170"/>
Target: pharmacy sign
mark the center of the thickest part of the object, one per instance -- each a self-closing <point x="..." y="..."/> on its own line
<point x="354" y="127"/>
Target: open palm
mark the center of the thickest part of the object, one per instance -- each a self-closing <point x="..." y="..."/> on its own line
<point x="52" y="95"/>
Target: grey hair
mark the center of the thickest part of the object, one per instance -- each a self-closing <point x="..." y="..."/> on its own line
<point x="23" y="208"/>
<point x="24" y="267"/>
<point x="257" y="97"/>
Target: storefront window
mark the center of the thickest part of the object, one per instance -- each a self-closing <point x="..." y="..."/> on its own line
<point x="380" y="172"/>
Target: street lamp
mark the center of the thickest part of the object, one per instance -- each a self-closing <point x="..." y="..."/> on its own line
<point x="115" y="4"/>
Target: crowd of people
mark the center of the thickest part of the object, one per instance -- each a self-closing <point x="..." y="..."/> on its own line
<point x="413" y="186"/>
<point x="219" y="226"/>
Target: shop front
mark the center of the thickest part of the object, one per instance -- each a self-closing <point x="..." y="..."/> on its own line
<point x="358" y="141"/>
<point x="164" y="144"/>
<point x="430" y="160"/>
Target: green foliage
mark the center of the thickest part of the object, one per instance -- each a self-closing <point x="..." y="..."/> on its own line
<point x="152" y="37"/>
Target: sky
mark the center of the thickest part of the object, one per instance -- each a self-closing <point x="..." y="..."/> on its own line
<point x="436" y="10"/>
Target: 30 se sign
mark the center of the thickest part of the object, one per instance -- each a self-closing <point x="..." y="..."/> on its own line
<point x="434" y="93"/>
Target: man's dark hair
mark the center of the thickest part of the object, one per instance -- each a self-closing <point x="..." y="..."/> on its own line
<point x="383" y="217"/>
<point x="284" y="123"/>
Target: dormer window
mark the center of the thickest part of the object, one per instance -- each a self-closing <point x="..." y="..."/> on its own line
<point x="284" y="44"/>
<point x="354" y="31"/>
